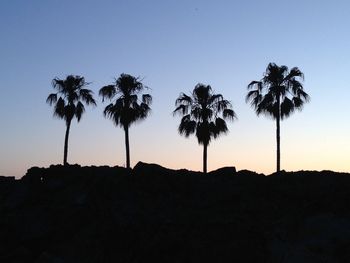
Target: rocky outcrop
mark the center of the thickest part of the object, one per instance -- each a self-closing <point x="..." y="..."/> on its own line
<point x="151" y="213"/>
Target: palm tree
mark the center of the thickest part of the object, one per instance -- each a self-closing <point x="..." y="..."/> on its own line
<point x="68" y="102"/>
<point x="202" y="115"/>
<point x="278" y="94"/>
<point x="127" y="108"/>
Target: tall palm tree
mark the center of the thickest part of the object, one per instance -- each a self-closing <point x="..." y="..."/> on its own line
<point x="204" y="114"/>
<point x="278" y="94"/>
<point x="126" y="108"/>
<point x="68" y="102"/>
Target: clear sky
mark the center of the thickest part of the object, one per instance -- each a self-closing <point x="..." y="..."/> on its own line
<point x="173" y="45"/>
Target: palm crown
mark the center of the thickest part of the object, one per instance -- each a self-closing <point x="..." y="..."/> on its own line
<point x="127" y="108"/>
<point x="69" y="97"/>
<point x="279" y="93"/>
<point x="202" y="115"/>
<point x="68" y="102"/>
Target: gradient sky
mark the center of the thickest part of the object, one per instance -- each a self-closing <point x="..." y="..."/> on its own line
<point x="173" y="45"/>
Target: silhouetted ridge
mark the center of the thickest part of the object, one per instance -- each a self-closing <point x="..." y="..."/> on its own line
<point x="6" y="178"/>
<point x="114" y="214"/>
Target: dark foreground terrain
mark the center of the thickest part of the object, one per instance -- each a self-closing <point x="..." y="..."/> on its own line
<point x="153" y="214"/>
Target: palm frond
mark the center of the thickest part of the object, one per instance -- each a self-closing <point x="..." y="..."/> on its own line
<point x="72" y="97"/>
<point x="74" y="82"/>
<point x="252" y="95"/>
<point x="277" y="90"/>
<point x="183" y="99"/>
<point x="269" y="110"/>
<point x="298" y="102"/>
<point x="283" y="70"/>
<point x="51" y="99"/>
<point x="187" y="126"/>
<point x="303" y="95"/>
<point x="59" y="84"/>
<point x="266" y="104"/>
<point x="294" y="86"/>
<point x="204" y="132"/>
<point x="143" y="111"/>
<point x="79" y="110"/>
<point x="215" y="98"/>
<point x="197" y="112"/>
<point x="147" y="99"/>
<point x="202" y="93"/>
<point x="255" y="102"/>
<point x="121" y="103"/>
<point x="274" y="75"/>
<point x="229" y="114"/>
<point x="128" y="84"/>
<point x="295" y="72"/>
<point x="87" y="96"/>
<point x="255" y="84"/>
<point x="222" y="105"/>
<point x="181" y="109"/>
<point x="107" y="92"/>
<point x="208" y="114"/>
<point x="59" y="110"/>
<point x="69" y="112"/>
<point x="220" y="127"/>
<point x="132" y="100"/>
<point x="287" y="108"/>
<point x="109" y="110"/>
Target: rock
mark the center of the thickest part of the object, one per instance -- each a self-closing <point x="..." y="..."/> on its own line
<point x="319" y="239"/>
<point x="248" y="173"/>
<point x="224" y="171"/>
<point x="6" y="179"/>
<point x="104" y="214"/>
<point x="46" y="257"/>
<point x="145" y="169"/>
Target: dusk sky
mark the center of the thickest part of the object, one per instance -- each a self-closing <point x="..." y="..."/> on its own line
<point x="172" y="45"/>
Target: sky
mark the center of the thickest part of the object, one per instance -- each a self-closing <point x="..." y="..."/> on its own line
<point x="172" y="45"/>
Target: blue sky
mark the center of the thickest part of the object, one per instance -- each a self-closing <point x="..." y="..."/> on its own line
<point x="173" y="45"/>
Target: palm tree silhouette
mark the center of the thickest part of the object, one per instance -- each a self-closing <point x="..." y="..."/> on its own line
<point x="278" y="94"/>
<point x="127" y="107"/>
<point x="202" y="115"/>
<point x="68" y="102"/>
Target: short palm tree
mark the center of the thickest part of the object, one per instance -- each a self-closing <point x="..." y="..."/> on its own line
<point x="126" y="107"/>
<point x="68" y="102"/>
<point x="278" y="94"/>
<point x="204" y="114"/>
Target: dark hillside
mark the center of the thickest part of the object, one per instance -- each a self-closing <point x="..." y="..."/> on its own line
<point x="150" y="213"/>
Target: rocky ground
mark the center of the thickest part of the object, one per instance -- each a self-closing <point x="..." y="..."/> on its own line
<point x="102" y="214"/>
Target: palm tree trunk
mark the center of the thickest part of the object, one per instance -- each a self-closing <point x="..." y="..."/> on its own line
<point x="127" y="147"/>
<point x="66" y="144"/>
<point x="205" y="156"/>
<point x="278" y="168"/>
<point x="278" y="145"/>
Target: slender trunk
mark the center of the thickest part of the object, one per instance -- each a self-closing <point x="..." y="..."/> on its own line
<point x="205" y="156"/>
<point x="65" y="154"/>
<point x="127" y="148"/>
<point x="278" y="136"/>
